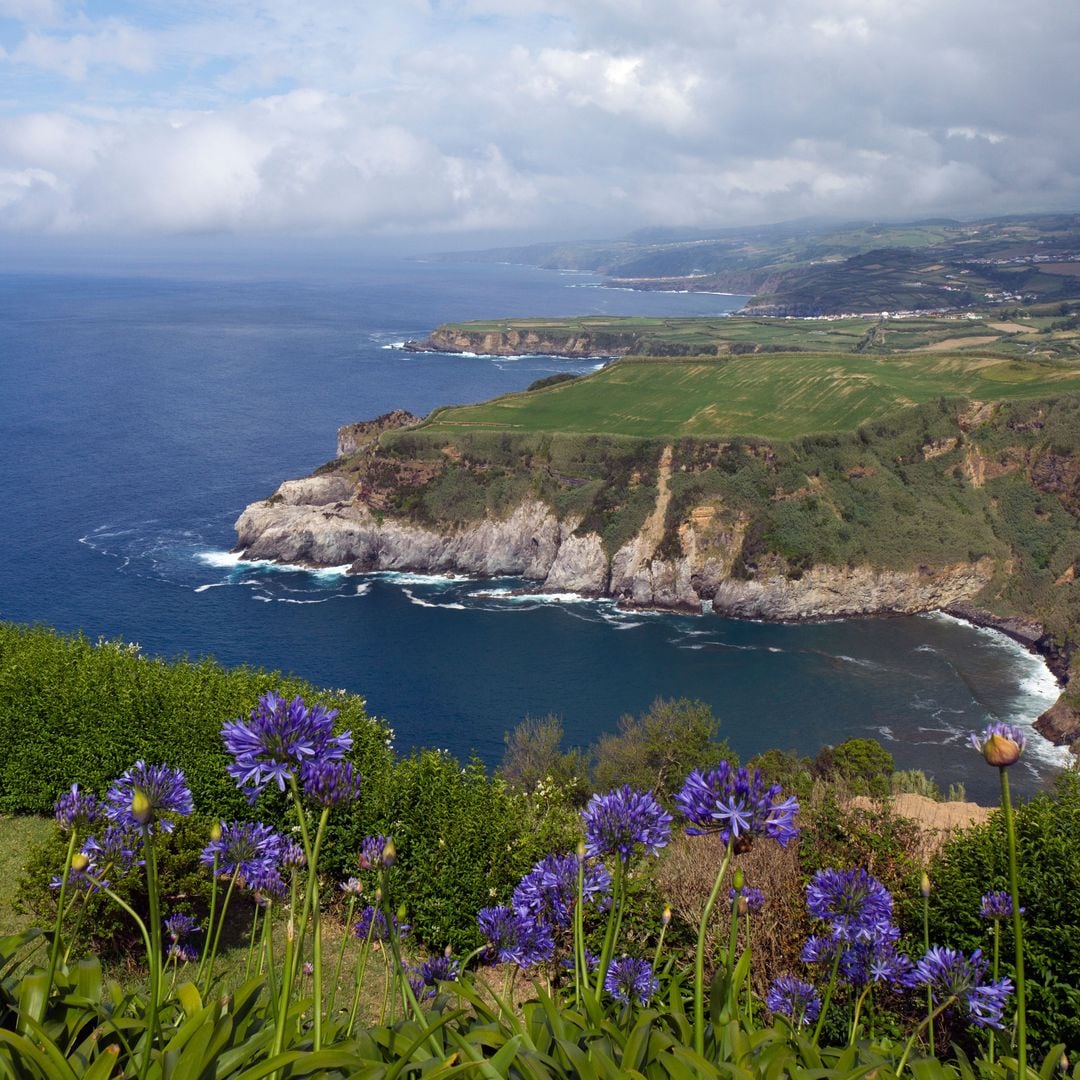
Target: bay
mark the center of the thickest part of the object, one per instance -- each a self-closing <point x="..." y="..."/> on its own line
<point x="143" y="411"/>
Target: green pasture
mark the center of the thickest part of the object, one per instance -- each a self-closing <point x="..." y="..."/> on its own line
<point x="773" y="396"/>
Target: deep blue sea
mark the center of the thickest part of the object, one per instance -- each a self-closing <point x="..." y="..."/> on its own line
<point x="141" y="413"/>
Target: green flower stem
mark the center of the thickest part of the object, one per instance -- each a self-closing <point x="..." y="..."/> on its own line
<point x="361" y="969"/>
<point x="285" y="989"/>
<point x="211" y="953"/>
<point x="828" y="998"/>
<point x="699" y="956"/>
<point x="929" y="992"/>
<point x="313" y="904"/>
<point x="155" y="934"/>
<point x="581" y="968"/>
<point x="54" y="951"/>
<point x="341" y="955"/>
<point x="997" y="969"/>
<point x="210" y="918"/>
<point x="251" y="942"/>
<point x="268" y="956"/>
<point x="919" y="1030"/>
<point x="749" y="976"/>
<point x="614" y="922"/>
<point x="855" y="1016"/>
<point x="1018" y="928"/>
<point x="659" y="947"/>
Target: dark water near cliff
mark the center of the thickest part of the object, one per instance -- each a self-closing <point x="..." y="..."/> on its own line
<point x="141" y="414"/>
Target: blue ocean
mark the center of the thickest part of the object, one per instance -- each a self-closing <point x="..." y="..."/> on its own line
<point x="143" y="411"/>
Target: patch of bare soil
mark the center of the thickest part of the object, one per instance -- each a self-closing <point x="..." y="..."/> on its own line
<point x="956" y="343"/>
<point x="938" y="820"/>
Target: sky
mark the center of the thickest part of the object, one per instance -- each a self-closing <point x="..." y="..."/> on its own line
<point x="517" y="119"/>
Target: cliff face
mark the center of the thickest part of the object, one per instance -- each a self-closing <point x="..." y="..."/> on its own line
<point x="522" y="342"/>
<point x="317" y="522"/>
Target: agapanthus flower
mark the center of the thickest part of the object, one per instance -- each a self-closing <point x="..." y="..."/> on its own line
<point x="854" y="904"/>
<point x="114" y="849"/>
<point x="278" y="739"/>
<point x="951" y="974"/>
<point x="371" y="851"/>
<point x="548" y="892"/>
<point x="351" y="887"/>
<point x="76" y="809"/>
<point x="736" y="805"/>
<point x="437" y="969"/>
<point x="999" y="743"/>
<point x="620" y="820"/>
<point x="182" y="953"/>
<point x="143" y="796"/>
<point x="755" y="898"/>
<point x="265" y="882"/>
<point x="631" y="981"/>
<point x="997" y="905"/>
<point x="180" y="926"/>
<point x="292" y="854"/>
<point x="83" y="874"/>
<point x="248" y="849"/>
<point x="513" y="938"/>
<point x="330" y="783"/>
<point x="373" y="922"/>
<point x="795" y="999"/>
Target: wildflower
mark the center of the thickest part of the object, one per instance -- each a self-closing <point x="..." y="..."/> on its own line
<point x="352" y="887"/>
<point x="180" y="926"/>
<point x="330" y="783"/>
<point x="631" y="981"/>
<point x="548" y="892"/>
<point x="83" y="874"/>
<point x="754" y="899"/>
<point x="141" y="797"/>
<point x="1000" y="744"/>
<point x="115" y="848"/>
<point x="278" y="740"/>
<point x="371" y="851"/>
<point x="292" y="854"/>
<point x="437" y="969"/>
<point x="736" y="805"/>
<point x="75" y="809"/>
<point x="373" y="923"/>
<point x="265" y="882"/>
<point x="514" y="938"/>
<point x="182" y="954"/>
<point x="248" y="849"/>
<point x="854" y="904"/>
<point x="622" y="819"/>
<point x="952" y="975"/>
<point x="997" y="905"/>
<point x="795" y="999"/>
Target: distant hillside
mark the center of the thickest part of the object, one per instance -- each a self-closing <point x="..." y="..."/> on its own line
<point x="807" y="268"/>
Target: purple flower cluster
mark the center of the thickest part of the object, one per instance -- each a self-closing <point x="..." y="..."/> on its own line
<point x="178" y="929"/>
<point x="372" y="924"/>
<point x="141" y="797"/>
<point x="371" y="851"/>
<point x="620" y="820"/>
<point x="76" y="809"/>
<point x="514" y="938"/>
<point x="114" y="849"/>
<point x="997" y="905"/>
<point x="736" y="804"/>
<point x="631" y="981"/>
<point x="951" y="974"/>
<point x="755" y="898"/>
<point x="548" y="892"/>
<point x="285" y="740"/>
<point x="795" y="999"/>
<point x="250" y="850"/>
<point x="425" y="978"/>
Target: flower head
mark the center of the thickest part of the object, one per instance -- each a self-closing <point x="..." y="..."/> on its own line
<point x="795" y="999"/>
<point x="180" y="926"/>
<point x="248" y="849"/>
<point x="622" y="819"/>
<point x="437" y="969"/>
<point x="76" y="809"/>
<point x="856" y="906"/>
<point x="999" y="743"/>
<point x="753" y="898"/>
<point x="631" y="981"/>
<point x="373" y="924"/>
<point x="514" y="938"/>
<point x="278" y="740"/>
<point x="997" y="905"/>
<point x="951" y="974"/>
<point x="141" y="797"/>
<point x="292" y="854"/>
<point x="114" y="849"/>
<point x="548" y="892"/>
<point x="371" y="851"/>
<point x="182" y="953"/>
<point x="737" y="805"/>
<point x="330" y="783"/>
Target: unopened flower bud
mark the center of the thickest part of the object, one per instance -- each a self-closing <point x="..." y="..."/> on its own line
<point x="215" y="832"/>
<point x="581" y="851"/>
<point x="448" y="951"/>
<point x="743" y="905"/>
<point x="1063" y="1064"/>
<point x="290" y="930"/>
<point x="140" y="807"/>
<point x="924" y="884"/>
<point x="389" y="854"/>
<point x="1001" y="751"/>
<point x="666" y="917"/>
<point x="378" y="897"/>
<point x="739" y="879"/>
<point x="79" y="862"/>
<point x="401" y="914"/>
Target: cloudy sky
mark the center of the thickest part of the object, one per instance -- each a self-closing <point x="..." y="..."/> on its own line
<point x="528" y="117"/>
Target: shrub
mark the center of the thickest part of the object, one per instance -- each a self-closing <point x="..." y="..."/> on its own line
<point x="534" y="757"/>
<point x="863" y="766"/>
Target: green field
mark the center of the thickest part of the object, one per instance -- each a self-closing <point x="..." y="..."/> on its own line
<point x="777" y="396"/>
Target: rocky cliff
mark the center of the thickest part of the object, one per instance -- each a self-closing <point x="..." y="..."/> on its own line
<point x="514" y="342"/>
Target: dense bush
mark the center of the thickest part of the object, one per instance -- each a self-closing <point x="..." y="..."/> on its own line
<point x="975" y="862"/>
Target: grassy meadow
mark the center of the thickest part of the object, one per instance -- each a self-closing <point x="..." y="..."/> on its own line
<point x="772" y="396"/>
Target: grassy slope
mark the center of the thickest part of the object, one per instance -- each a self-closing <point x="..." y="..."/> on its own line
<point x="768" y="396"/>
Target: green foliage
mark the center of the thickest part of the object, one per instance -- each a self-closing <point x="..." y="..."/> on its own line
<point x="655" y="751"/>
<point x="534" y="759"/>
<point x="975" y="862"/>
<point x="863" y="766"/>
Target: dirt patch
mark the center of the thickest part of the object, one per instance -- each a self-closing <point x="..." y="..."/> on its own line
<point x="956" y="343"/>
<point x="937" y="820"/>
